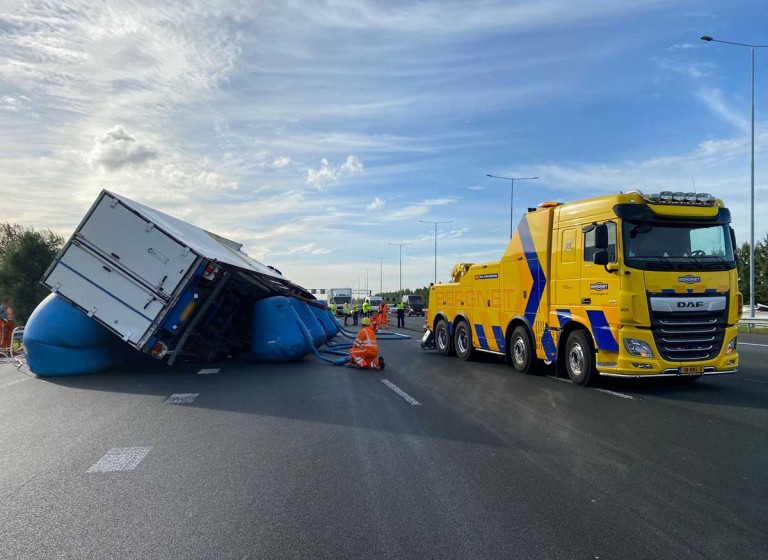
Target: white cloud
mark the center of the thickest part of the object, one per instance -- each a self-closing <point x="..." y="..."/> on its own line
<point x="682" y="47"/>
<point x="352" y="165"/>
<point x="476" y="188"/>
<point x="713" y="98"/>
<point x="117" y="148"/>
<point x="281" y="162"/>
<point x="327" y="173"/>
<point x="377" y="204"/>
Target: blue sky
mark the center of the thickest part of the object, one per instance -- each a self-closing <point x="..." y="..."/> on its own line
<point x="318" y="132"/>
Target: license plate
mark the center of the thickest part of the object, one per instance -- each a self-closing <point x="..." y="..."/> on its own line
<point x="692" y="369"/>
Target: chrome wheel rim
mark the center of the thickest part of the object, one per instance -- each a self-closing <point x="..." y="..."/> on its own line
<point x="461" y="341"/>
<point x="442" y="338"/>
<point x="519" y="351"/>
<point x="576" y="359"/>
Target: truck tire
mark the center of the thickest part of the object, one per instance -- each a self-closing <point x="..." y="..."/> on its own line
<point x="443" y="341"/>
<point x="522" y="351"/>
<point x="580" y="358"/>
<point x="462" y="340"/>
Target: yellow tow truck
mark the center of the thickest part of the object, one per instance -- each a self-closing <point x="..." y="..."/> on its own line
<point x="626" y="285"/>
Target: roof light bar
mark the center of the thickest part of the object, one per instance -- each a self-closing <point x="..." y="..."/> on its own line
<point x="680" y="198"/>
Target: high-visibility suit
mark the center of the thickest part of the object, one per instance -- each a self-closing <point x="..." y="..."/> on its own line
<point x="385" y="319"/>
<point x="347" y="312"/>
<point x="401" y="315"/>
<point x="365" y="352"/>
<point x="6" y="327"/>
<point x="367" y="308"/>
<point x="333" y="308"/>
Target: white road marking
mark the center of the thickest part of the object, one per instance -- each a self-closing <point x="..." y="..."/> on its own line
<point x="208" y="371"/>
<point x="14" y="382"/>
<point x="615" y="394"/>
<point x="752" y="380"/>
<point x="559" y="378"/>
<point x="400" y="392"/>
<point x="182" y="398"/>
<point x="752" y="344"/>
<point x="120" y="459"/>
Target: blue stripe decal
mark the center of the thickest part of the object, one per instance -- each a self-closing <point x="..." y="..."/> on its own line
<point x="539" y="279"/>
<point x="110" y="294"/>
<point x="498" y="334"/>
<point x="481" y="337"/>
<point x="549" y="345"/>
<point x="602" y="332"/>
<point x="563" y="316"/>
<point x="710" y="291"/>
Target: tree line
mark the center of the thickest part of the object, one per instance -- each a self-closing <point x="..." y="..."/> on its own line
<point x="25" y="254"/>
<point x="761" y="271"/>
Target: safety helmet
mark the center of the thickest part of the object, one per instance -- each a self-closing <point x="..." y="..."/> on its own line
<point x="366" y="322"/>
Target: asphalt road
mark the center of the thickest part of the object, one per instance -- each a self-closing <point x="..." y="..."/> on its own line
<point x="312" y="461"/>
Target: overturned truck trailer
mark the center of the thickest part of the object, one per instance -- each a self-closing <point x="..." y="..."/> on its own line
<point x="165" y="287"/>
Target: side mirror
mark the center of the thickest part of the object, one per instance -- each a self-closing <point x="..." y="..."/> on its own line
<point x="601" y="236"/>
<point x="601" y="258"/>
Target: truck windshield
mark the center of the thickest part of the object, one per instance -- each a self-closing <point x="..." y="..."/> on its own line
<point x="414" y="299"/>
<point x="678" y="247"/>
<point x="341" y="300"/>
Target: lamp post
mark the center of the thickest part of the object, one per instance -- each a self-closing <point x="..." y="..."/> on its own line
<point x="366" y="281"/>
<point x="435" y="223"/>
<point x="381" y="274"/>
<point x="511" y="198"/>
<point x="400" y="245"/>
<point x="752" y="182"/>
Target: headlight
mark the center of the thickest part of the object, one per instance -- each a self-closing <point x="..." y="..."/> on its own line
<point x="638" y="347"/>
<point x="731" y="348"/>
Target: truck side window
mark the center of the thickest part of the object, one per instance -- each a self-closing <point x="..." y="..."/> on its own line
<point x="589" y="243"/>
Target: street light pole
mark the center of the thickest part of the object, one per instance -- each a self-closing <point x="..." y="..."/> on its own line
<point x="752" y="172"/>
<point x="366" y="281"/>
<point x="400" y="245"/>
<point x="511" y="198"/>
<point x="381" y="274"/>
<point x="428" y="222"/>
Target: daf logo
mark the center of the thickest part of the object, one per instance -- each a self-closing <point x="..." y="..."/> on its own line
<point x="689" y="279"/>
<point x="598" y="287"/>
<point x="690" y="304"/>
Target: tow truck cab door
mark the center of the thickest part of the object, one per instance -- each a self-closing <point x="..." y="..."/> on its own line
<point x="599" y="287"/>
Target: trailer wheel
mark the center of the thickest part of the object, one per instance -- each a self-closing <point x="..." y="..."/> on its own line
<point x="443" y="340"/>
<point x="462" y="340"/>
<point x="580" y="358"/>
<point x="521" y="350"/>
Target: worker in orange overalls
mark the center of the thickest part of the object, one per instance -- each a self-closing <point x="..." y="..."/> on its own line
<point x="6" y="324"/>
<point x="386" y="315"/>
<point x="365" y="352"/>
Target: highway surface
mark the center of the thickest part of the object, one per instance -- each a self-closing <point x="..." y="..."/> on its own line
<point x="431" y="458"/>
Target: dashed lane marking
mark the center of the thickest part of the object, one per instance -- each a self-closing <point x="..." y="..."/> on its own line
<point x="182" y="398"/>
<point x="14" y="382"/>
<point x="752" y="344"/>
<point x="615" y="394"/>
<point x="120" y="459"/>
<point x="208" y="371"/>
<point x="408" y="398"/>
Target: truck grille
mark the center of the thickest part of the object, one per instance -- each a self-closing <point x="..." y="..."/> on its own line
<point x="689" y="338"/>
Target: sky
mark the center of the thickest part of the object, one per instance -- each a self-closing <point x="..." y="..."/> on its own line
<point x="317" y="133"/>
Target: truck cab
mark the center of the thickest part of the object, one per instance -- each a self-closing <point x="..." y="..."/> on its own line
<point x="627" y="285"/>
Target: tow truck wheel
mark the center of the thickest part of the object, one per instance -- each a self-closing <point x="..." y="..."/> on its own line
<point x="443" y="340"/>
<point x="521" y="350"/>
<point x="579" y="358"/>
<point x="462" y="340"/>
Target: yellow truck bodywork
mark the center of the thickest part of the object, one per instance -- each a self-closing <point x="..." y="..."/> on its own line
<point x="547" y="284"/>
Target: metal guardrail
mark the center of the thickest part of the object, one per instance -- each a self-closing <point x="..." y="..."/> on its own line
<point x="750" y="322"/>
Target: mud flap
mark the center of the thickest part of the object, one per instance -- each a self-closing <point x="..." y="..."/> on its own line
<point x="428" y="340"/>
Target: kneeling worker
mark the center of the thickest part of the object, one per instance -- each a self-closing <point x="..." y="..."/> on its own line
<point x="365" y="353"/>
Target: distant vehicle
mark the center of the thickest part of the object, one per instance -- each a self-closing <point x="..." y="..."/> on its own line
<point x="340" y="296"/>
<point x="627" y="284"/>
<point x="375" y="301"/>
<point x="414" y="305"/>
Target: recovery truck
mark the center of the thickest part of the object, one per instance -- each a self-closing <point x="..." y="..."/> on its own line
<point x="162" y="285"/>
<point x="626" y="285"/>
